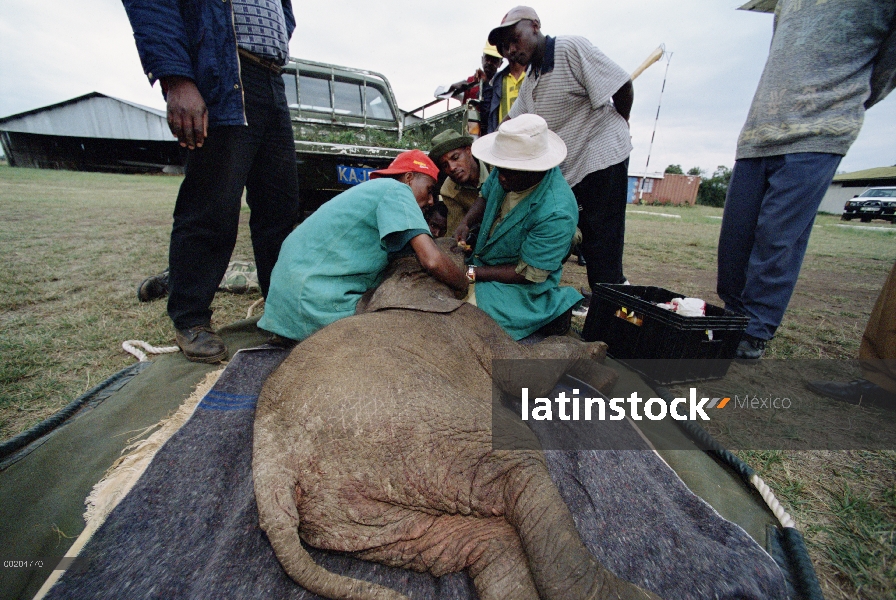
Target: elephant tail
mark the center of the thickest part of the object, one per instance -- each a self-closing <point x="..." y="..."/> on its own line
<point x="279" y="519"/>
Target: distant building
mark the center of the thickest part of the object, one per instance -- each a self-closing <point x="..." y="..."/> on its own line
<point x="93" y="132"/>
<point x="663" y="188"/>
<point x="847" y="185"/>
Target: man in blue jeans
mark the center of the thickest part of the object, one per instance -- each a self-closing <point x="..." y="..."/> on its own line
<point x="219" y="65"/>
<point x="828" y="63"/>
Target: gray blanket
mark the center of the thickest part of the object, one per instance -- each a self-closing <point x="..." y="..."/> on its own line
<point x="189" y="528"/>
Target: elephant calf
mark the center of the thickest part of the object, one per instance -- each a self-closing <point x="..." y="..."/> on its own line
<point x="374" y="438"/>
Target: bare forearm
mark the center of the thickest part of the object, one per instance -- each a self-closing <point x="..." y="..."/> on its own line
<point x="473" y="217"/>
<point x="438" y="265"/>
<point x="500" y="273"/>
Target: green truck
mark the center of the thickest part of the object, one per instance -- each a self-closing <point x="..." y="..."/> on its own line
<point x="347" y="123"/>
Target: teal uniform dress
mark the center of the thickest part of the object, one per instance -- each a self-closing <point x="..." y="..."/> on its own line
<point x="537" y="231"/>
<point x="337" y="254"/>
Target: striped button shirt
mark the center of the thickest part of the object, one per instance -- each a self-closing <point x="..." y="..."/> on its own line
<point x="261" y="28"/>
<point x="572" y="91"/>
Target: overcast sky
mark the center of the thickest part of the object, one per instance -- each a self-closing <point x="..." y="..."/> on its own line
<point x="54" y="50"/>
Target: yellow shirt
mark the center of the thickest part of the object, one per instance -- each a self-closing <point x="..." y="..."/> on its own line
<point x="510" y="90"/>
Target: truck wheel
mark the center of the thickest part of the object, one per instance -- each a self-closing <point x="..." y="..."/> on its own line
<point x="866" y="219"/>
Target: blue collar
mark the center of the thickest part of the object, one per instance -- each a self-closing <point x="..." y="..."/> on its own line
<point x="547" y="61"/>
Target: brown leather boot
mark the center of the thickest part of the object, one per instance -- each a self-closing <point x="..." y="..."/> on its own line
<point x="201" y="344"/>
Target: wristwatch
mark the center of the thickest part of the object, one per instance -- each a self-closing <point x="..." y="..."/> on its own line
<point x="471" y="274"/>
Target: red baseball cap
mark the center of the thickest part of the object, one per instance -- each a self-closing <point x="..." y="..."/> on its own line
<point x="412" y="161"/>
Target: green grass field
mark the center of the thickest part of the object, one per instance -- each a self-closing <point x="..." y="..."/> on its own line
<point x="76" y="245"/>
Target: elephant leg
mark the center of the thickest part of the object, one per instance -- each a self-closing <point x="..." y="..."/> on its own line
<point x="503" y="570"/>
<point x="575" y="348"/>
<point x="585" y="360"/>
<point x="561" y="566"/>
<point x="556" y="356"/>
<point x="487" y="546"/>
<point x="595" y="374"/>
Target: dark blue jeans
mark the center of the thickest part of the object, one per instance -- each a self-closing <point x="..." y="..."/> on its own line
<point x="602" y="197"/>
<point x="259" y="158"/>
<point x="769" y="212"/>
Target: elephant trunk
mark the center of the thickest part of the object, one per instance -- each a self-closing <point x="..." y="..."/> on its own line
<point x="561" y="566"/>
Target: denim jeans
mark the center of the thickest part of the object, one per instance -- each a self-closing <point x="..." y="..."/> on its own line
<point x="259" y="158"/>
<point x="769" y="212"/>
<point x="602" y="197"/>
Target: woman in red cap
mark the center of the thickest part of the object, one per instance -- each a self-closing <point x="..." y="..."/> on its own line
<point x="341" y="250"/>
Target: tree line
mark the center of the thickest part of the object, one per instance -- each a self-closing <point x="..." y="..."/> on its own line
<point x="712" y="189"/>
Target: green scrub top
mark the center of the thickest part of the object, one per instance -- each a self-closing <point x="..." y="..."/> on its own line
<point x="538" y="231"/>
<point x="337" y="254"/>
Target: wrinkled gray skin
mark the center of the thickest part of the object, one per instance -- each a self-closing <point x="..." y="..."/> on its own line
<point x="374" y="437"/>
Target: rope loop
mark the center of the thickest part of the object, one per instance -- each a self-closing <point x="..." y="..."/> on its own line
<point x="130" y="347"/>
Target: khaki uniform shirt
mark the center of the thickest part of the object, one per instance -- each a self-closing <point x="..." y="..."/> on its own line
<point x="459" y="199"/>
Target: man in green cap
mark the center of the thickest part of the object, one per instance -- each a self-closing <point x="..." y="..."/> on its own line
<point x="465" y="174"/>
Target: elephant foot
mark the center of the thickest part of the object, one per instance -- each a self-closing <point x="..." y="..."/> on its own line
<point x="596" y="351"/>
<point x="592" y="371"/>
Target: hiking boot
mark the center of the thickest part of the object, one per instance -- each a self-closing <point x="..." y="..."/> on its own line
<point x="201" y="344"/>
<point x="750" y="348"/>
<point x="153" y="288"/>
<point x="860" y="391"/>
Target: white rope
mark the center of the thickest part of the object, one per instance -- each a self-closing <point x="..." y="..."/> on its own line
<point x="128" y="347"/>
<point x="769" y="496"/>
<point x="255" y="305"/>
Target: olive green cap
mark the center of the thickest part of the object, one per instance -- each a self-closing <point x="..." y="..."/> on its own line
<point x="447" y="141"/>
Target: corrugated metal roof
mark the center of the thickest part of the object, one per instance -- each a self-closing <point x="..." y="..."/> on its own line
<point x="651" y="175"/>
<point x="93" y="115"/>
<point x="876" y="173"/>
<point x="766" y="6"/>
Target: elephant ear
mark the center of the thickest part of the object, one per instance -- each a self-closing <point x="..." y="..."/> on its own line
<point x="407" y="286"/>
<point x="412" y="291"/>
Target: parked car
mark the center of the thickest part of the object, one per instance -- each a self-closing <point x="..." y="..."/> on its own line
<point x="873" y="203"/>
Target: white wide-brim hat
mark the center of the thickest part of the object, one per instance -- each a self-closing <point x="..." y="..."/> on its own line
<point x="522" y="144"/>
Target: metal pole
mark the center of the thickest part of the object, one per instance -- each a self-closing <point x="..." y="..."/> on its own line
<point x="653" y="135"/>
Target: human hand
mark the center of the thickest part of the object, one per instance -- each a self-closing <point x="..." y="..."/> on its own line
<point x="187" y="113"/>
<point x="461" y="292"/>
<point x="461" y="233"/>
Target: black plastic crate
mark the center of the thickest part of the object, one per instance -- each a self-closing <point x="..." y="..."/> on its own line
<point x="665" y="346"/>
